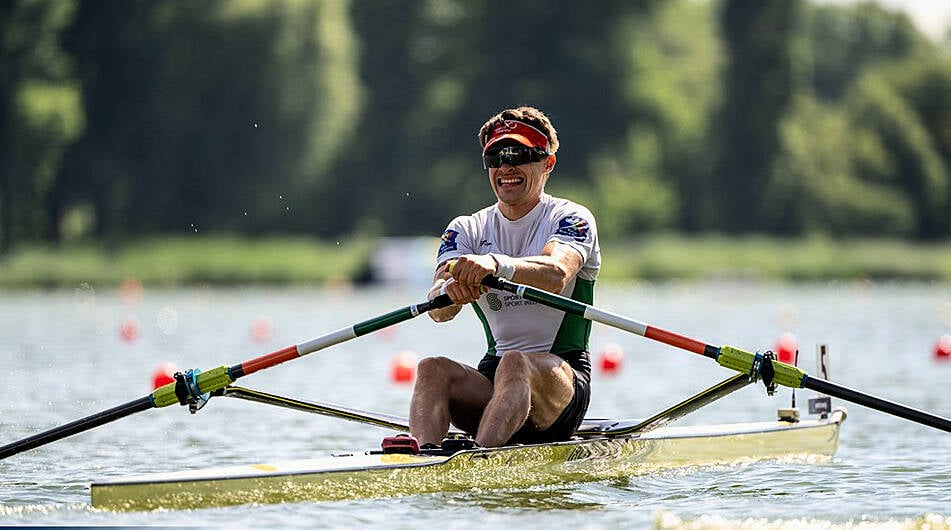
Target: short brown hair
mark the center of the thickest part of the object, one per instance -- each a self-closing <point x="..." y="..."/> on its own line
<point x="529" y="115"/>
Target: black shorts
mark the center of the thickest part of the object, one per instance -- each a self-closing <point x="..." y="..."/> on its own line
<point x="570" y="418"/>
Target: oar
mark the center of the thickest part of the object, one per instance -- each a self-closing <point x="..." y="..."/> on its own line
<point x="588" y="427"/>
<point x="378" y="419"/>
<point x="687" y="406"/>
<point x="727" y="356"/>
<point x="194" y="386"/>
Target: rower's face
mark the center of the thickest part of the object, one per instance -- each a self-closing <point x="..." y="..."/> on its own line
<point x="515" y="185"/>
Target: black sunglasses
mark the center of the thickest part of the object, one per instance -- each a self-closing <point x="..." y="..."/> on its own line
<point x="514" y="155"/>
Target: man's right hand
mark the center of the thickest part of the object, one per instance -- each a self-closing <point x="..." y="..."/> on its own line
<point x="469" y="271"/>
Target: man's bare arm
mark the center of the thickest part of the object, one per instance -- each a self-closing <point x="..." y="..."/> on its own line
<point x="551" y="271"/>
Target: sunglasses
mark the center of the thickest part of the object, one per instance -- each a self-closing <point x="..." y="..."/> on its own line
<point x="514" y="155"/>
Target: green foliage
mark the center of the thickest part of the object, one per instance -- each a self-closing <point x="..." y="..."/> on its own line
<point x="913" y="165"/>
<point x="219" y="115"/>
<point x="671" y="256"/>
<point x="630" y="196"/>
<point x="40" y="114"/>
<point x="817" y="185"/>
<point x="759" y="90"/>
<point x="861" y="147"/>
<point x="846" y="40"/>
<point x="123" y="120"/>
<point x="186" y="261"/>
<point x="645" y="177"/>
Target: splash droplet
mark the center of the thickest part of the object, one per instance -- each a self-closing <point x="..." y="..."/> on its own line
<point x="167" y="320"/>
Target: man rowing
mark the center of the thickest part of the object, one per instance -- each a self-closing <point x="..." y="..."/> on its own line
<point x="533" y="384"/>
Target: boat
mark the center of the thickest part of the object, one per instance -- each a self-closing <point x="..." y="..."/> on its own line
<point x="601" y="449"/>
<point x="378" y="474"/>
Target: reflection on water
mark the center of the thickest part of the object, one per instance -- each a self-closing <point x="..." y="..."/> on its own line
<point x="536" y="498"/>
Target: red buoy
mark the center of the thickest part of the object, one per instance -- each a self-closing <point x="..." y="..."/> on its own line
<point x="786" y="348"/>
<point x="942" y="350"/>
<point x="610" y="359"/>
<point x="129" y="330"/>
<point x="163" y="375"/>
<point x="403" y="369"/>
<point x="262" y="328"/>
<point x="130" y="292"/>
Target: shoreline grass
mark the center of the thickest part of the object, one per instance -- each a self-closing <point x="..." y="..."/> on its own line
<point x="171" y="262"/>
<point x="671" y="257"/>
<point x="209" y="260"/>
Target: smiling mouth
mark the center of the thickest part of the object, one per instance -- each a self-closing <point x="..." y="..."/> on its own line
<point x="509" y="181"/>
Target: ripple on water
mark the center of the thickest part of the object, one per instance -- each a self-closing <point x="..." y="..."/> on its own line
<point x="667" y="520"/>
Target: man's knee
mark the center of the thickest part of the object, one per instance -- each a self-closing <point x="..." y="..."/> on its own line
<point x="514" y="363"/>
<point x="435" y="369"/>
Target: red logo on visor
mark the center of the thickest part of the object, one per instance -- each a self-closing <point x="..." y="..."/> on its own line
<point x="505" y="126"/>
<point x="522" y="132"/>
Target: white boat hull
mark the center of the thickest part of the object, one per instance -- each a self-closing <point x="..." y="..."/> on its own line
<point x="365" y="475"/>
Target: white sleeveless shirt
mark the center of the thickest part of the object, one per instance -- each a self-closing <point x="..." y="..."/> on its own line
<point x="512" y="323"/>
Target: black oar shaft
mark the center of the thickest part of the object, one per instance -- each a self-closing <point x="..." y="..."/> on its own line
<point x="877" y="403"/>
<point x="80" y="425"/>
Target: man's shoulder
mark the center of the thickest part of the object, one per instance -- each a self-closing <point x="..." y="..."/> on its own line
<point x="561" y="207"/>
<point x="474" y="219"/>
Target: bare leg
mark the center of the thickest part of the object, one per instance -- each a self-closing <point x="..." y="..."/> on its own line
<point x="446" y="391"/>
<point x="528" y="387"/>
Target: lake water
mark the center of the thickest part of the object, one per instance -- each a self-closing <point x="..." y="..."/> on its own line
<point x="63" y="357"/>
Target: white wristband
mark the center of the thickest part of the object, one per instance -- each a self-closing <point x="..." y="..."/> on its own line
<point x="505" y="266"/>
<point x="445" y="284"/>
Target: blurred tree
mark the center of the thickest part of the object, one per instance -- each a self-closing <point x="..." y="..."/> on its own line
<point x="332" y="117"/>
<point x="819" y="183"/>
<point x="656" y="175"/>
<point x="862" y="149"/>
<point x="40" y="114"/>
<point x="219" y="115"/>
<point x="913" y="165"/>
<point x="926" y="88"/>
<point x="449" y="66"/>
<point x="758" y="91"/>
<point x="846" y="40"/>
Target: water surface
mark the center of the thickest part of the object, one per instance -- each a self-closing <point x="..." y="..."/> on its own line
<point x="63" y="357"/>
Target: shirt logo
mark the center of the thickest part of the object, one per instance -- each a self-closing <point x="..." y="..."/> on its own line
<point x="573" y="226"/>
<point x="448" y="242"/>
<point x="493" y="300"/>
<point x="485" y="243"/>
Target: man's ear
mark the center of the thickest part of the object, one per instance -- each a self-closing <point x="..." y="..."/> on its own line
<point x="550" y="162"/>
